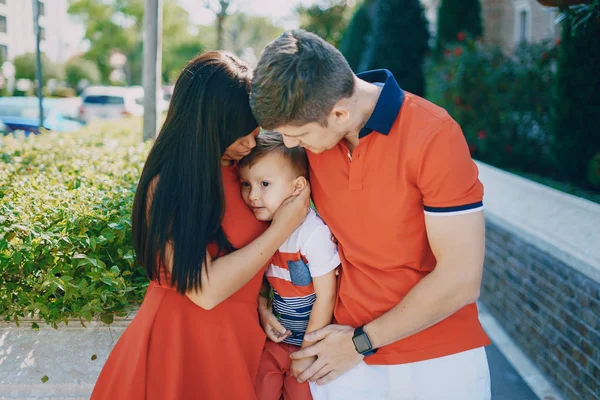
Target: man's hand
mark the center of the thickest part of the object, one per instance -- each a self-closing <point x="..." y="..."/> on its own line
<point x="335" y="353"/>
<point x="300" y="365"/>
<point x="271" y="325"/>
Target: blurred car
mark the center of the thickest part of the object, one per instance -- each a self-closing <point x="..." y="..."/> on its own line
<point x="108" y="102"/>
<point x="22" y="114"/>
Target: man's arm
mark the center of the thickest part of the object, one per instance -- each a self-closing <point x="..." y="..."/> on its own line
<point x="458" y="243"/>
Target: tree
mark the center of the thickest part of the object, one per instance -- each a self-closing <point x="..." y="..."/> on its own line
<point x="576" y="110"/>
<point x="109" y="27"/>
<point x="118" y="25"/>
<point x="25" y="68"/>
<point x="400" y="41"/>
<point x="244" y="32"/>
<point x="176" y="57"/>
<point x="354" y="38"/>
<point x="328" y="19"/>
<point x="219" y="8"/>
<point x="457" y="18"/>
<point x="78" y="69"/>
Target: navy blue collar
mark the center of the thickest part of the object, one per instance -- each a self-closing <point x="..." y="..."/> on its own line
<point x="388" y="105"/>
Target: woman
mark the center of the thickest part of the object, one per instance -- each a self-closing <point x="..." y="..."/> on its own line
<point x="197" y="334"/>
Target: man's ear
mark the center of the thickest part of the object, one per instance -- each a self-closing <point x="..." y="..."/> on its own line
<point x="340" y="113"/>
<point x="299" y="184"/>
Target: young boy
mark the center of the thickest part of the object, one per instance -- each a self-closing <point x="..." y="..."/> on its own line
<point x="301" y="273"/>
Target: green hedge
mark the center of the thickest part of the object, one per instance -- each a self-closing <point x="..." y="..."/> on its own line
<point x="65" y="230"/>
<point x="502" y="102"/>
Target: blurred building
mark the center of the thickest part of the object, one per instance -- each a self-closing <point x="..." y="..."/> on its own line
<point x="510" y="22"/>
<point x="507" y="22"/>
<point x="16" y="29"/>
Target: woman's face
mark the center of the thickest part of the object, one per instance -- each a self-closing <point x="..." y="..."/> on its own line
<point x="241" y="147"/>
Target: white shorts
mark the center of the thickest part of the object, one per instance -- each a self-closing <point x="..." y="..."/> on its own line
<point x="462" y="376"/>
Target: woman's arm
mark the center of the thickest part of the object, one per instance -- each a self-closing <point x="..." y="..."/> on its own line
<point x="226" y="275"/>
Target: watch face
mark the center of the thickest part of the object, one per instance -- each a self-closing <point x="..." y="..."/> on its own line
<point x="362" y="343"/>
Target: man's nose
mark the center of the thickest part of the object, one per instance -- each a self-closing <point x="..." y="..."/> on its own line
<point x="290" y="142"/>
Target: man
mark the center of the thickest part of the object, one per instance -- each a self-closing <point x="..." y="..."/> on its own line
<point x="392" y="176"/>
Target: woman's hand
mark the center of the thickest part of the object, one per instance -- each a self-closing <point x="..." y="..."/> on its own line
<point x="293" y="211"/>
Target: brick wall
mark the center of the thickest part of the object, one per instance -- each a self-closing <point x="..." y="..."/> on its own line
<point x="551" y="310"/>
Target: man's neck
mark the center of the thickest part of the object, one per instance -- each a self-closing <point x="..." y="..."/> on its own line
<point x="363" y="100"/>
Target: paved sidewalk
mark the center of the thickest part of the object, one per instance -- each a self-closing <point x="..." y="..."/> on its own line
<point x="65" y="357"/>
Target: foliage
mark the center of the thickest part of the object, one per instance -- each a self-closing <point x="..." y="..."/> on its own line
<point x="399" y="42"/>
<point x="457" y="18"/>
<point x="118" y="26"/>
<point x="25" y="68"/>
<point x="576" y="109"/>
<point x="327" y="18"/>
<point x="594" y="171"/>
<point x="65" y="240"/>
<point x="79" y="69"/>
<point x="503" y="103"/>
<point x="243" y="32"/>
<point x="354" y="38"/>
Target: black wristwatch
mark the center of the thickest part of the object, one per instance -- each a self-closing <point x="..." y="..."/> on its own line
<point x="362" y="344"/>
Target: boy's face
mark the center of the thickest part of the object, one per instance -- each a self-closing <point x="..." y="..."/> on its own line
<point x="267" y="183"/>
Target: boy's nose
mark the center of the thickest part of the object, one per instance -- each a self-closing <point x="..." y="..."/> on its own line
<point x="253" y="194"/>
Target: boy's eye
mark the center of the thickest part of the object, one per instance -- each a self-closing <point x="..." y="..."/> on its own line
<point x="245" y="184"/>
<point x="265" y="184"/>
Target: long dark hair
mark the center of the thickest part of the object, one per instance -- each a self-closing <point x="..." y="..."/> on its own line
<point x="209" y="111"/>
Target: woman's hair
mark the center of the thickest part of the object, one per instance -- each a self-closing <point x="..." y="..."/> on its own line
<point x="209" y="111"/>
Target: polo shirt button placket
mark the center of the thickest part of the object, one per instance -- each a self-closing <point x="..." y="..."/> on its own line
<point x="356" y="167"/>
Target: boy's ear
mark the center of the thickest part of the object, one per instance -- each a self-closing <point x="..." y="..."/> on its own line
<point x="299" y="184"/>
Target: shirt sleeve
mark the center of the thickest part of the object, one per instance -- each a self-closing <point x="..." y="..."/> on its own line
<point x="447" y="176"/>
<point x="318" y="249"/>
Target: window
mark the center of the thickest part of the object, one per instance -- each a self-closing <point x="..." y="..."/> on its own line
<point x="3" y="24"/>
<point x="523" y="25"/>
<point x="42" y="7"/>
<point x="3" y="52"/>
<point x="522" y="22"/>
<point x="104" y="99"/>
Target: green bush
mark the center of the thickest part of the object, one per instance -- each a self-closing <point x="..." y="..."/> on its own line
<point x="65" y="240"/>
<point x="576" y="111"/>
<point x="354" y="38"/>
<point x="456" y="20"/>
<point x="399" y="42"/>
<point x="503" y="103"/>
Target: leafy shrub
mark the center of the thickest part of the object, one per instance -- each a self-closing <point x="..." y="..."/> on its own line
<point x="65" y="240"/>
<point x="576" y="111"/>
<point x="503" y="103"/>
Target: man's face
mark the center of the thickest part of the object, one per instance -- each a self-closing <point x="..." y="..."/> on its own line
<point x="315" y="137"/>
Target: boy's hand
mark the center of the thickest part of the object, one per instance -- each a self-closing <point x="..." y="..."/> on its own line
<point x="271" y="325"/>
<point x="299" y="366"/>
